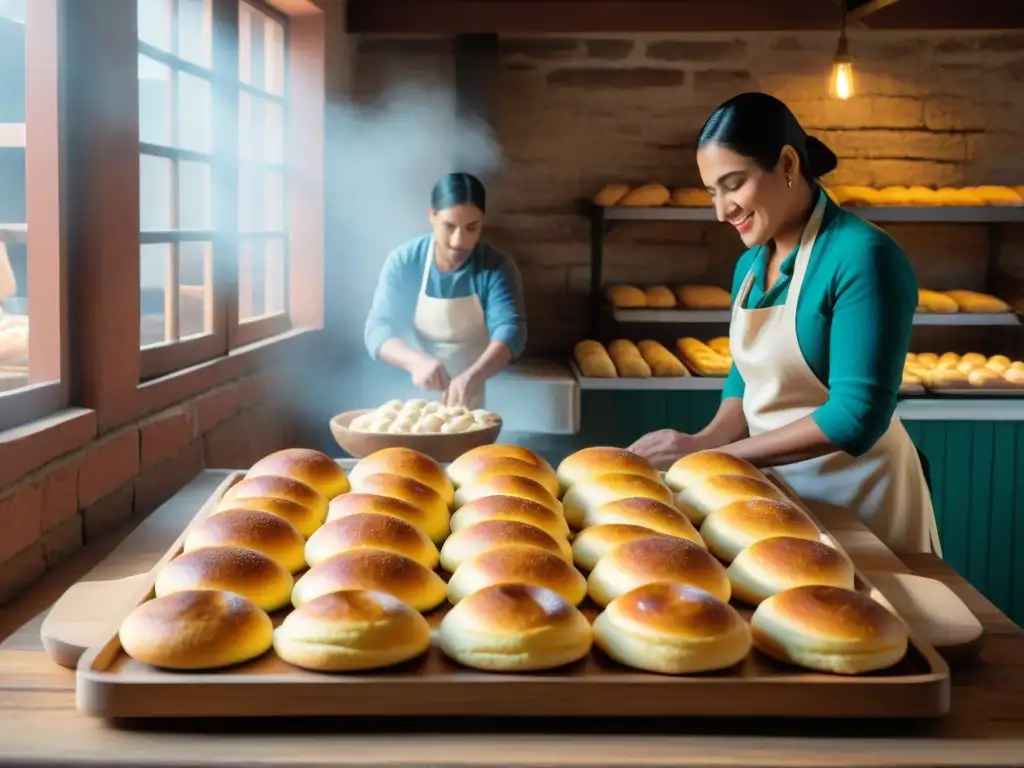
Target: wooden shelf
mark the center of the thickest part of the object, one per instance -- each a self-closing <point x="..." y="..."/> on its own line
<point x="934" y="214"/>
<point x="684" y="316"/>
<point x="662" y="384"/>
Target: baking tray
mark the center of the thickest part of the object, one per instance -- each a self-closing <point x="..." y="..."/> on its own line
<point x="110" y="685"/>
<point x="978" y="392"/>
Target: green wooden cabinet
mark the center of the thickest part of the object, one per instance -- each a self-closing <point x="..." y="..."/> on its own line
<point x="977" y="470"/>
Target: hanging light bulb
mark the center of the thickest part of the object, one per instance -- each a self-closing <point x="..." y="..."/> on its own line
<point x="840" y="84"/>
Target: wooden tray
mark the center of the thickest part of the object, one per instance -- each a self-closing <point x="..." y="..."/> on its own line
<point x="112" y="685"/>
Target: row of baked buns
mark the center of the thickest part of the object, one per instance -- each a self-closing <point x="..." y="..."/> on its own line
<point x="676" y="561"/>
<point x="953" y="371"/>
<point x="656" y="195"/>
<point x="703" y="297"/>
<point x="950" y="302"/>
<point x="647" y="358"/>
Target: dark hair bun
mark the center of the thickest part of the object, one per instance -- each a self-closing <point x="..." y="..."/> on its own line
<point x="820" y="159"/>
<point x="458" y="189"/>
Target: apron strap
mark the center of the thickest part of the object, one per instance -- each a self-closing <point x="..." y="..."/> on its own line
<point x="426" y="267"/>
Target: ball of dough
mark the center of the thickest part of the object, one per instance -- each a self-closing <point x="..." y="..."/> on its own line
<point x="401" y="426"/>
<point x="585" y="497"/>
<point x="268" y="534"/>
<point x="232" y="569"/>
<point x="473" y="540"/>
<point x="369" y="531"/>
<point x="779" y="563"/>
<point x="458" y="424"/>
<point x="436" y="514"/>
<point x="375" y="570"/>
<point x="351" y="630"/>
<point x="405" y="462"/>
<point x="829" y="629"/>
<point x="663" y="559"/>
<point x="510" y="508"/>
<point x="517" y="564"/>
<point x="362" y="423"/>
<point x="430" y="424"/>
<point x="730" y="529"/>
<point x="671" y="629"/>
<point x="195" y="630"/>
<point x="515" y="627"/>
<point x="317" y="470"/>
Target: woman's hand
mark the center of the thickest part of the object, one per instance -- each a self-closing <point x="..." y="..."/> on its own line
<point x="429" y="373"/>
<point x="463" y="389"/>
<point x="665" y="446"/>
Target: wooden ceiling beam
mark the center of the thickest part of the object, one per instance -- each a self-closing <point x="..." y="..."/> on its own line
<point x="625" y="16"/>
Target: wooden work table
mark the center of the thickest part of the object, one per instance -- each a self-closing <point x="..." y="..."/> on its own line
<point x="39" y="724"/>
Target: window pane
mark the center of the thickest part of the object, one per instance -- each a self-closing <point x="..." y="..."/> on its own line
<point x="274" y="276"/>
<point x="155" y="194"/>
<point x="250" y="279"/>
<point x="155" y="23"/>
<point x="195" y="278"/>
<point x="193" y="195"/>
<point x="273" y="132"/>
<point x="273" y="202"/>
<point x="195" y="97"/>
<point x="250" y="201"/>
<point x="251" y="64"/>
<point x="194" y="25"/>
<point x="154" y="102"/>
<point x="260" y="130"/>
<point x="273" y="46"/>
<point x="154" y="268"/>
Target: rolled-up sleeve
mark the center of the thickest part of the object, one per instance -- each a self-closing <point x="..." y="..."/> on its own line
<point x="505" y="308"/>
<point x="735" y="386"/>
<point x="875" y="297"/>
<point x="389" y="314"/>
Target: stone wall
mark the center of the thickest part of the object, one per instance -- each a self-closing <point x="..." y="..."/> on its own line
<point x="48" y="514"/>
<point x="576" y="113"/>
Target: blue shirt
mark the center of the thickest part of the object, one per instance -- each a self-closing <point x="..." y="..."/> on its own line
<point x="853" y="323"/>
<point x="488" y="273"/>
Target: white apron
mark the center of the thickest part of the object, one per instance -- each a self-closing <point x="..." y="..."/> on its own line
<point x="885" y="487"/>
<point x="452" y="330"/>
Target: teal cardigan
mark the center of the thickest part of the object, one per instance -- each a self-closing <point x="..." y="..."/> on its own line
<point x="853" y="323"/>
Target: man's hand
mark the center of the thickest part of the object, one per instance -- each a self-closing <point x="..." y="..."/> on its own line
<point x="665" y="446"/>
<point x="463" y="389"/>
<point x="430" y="374"/>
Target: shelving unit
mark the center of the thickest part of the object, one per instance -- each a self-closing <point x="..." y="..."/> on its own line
<point x="684" y="316"/>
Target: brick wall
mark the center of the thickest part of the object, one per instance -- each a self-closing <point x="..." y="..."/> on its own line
<point x="128" y="473"/>
<point x="576" y="113"/>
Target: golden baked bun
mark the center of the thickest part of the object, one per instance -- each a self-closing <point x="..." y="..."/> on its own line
<point x="245" y="572"/>
<point x="462" y="470"/>
<point x="196" y="629"/>
<point x="589" y="463"/>
<point x="515" y="628"/>
<point x="699" y="466"/>
<point x="274" y="487"/>
<point x="466" y="543"/>
<point x="646" y="561"/>
<point x="829" y="629"/>
<point x="647" y="513"/>
<point x="406" y="463"/>
<point x="591" y="544"/>
<point x="770" y="566"/>
<point x="583" y="499"/>
<point x="351" y="630"/>
<point x="625" y="297"/>
<point x="672" y="629"/>
<point x="304" y="519"/>
<point x="935" y="301"/>
<point x="435" y="511"/>
<point x="701" y="499"/>
<point x="517" y="564"/>
<point x="611" y="194"/>
<point x="317" y="470"/>
<point x="374" y="570"/>
<point x="660" y="297"/>
<point x="507" y="485"/>
<point x="369" y="531"/>
<point x="593" y="360"/>
<point x="730" y="529"/>
<point x="373" y="504"/>
<point x="484" y="468"/>
<point x="646" y="196"/>
<point x="268" y="534"/>
<point x="510" y="508"/>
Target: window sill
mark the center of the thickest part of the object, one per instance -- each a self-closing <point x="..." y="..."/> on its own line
<point x="160" y="393"/>
<point x="25" y="448"/>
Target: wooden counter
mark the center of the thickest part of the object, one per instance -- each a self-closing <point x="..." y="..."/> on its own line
<point x="39" y="724"/>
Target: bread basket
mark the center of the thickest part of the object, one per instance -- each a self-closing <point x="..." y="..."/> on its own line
<point x="440" y="447"/>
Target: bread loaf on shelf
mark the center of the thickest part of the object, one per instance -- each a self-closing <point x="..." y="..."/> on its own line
<point x="691" y="197"/>
<point x="934" y="301"/>
<point x="626" y="297"/>
<point x="647" y="196"/>
<point x="700" y="358"/>
<point x="896" y="195"/>
<point x="661" y="362"/>
<point x="705" y="297"/>
<point x="611" y="194"/>
<point x="973" y="301"/>
<point x="629" y="363"/>
<point x="593" y="360"/>
<point x="721" y="346"/>
<point x="660" y="297"/>
<point x="972" y="370"/>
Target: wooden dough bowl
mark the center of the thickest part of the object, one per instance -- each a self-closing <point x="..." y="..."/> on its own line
<point x="440" y="447"/>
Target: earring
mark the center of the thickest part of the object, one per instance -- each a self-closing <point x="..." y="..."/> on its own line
<point x="789" y="181"/>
